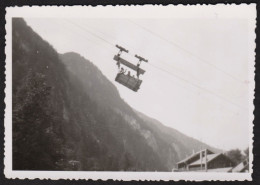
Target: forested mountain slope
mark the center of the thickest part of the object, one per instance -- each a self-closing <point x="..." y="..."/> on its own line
<point x="68" y="116"/>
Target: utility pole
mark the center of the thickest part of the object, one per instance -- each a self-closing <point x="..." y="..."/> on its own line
<point x="206" y="160"/>
<point x="201" y="160"/>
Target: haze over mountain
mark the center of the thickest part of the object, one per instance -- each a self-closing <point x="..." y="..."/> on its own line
<point x="68" y="116"/>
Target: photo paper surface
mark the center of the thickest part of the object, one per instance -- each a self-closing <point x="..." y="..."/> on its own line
<point x="130" y="92"/>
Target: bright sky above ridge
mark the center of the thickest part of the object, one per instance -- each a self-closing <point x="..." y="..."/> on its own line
<point x="196" y="80"/>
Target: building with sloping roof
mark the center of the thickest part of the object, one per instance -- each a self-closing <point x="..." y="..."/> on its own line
<point x="206" y="160"/>
<point x="183" y="165"/>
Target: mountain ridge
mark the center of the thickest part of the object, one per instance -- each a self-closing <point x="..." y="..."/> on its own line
<point x="147" y="127"/>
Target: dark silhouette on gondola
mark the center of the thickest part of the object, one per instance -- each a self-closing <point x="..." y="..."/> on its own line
<point x="122" y="71"/>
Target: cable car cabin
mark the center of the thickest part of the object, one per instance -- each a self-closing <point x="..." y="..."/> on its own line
<point x="128" y="81"/>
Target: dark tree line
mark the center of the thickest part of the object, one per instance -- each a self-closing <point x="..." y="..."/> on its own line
<point x="237" y="155"/>
<point x="32" y="125"/>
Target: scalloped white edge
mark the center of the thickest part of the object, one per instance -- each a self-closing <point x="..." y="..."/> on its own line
<point x="146" y="11"/>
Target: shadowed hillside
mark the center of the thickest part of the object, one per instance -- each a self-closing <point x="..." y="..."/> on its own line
<point x="68" y="116"/>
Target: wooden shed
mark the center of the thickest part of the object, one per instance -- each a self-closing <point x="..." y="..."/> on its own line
<point x="206" y="160"/>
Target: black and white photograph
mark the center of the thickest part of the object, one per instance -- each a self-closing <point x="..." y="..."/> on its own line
<point x="130" y="93"/>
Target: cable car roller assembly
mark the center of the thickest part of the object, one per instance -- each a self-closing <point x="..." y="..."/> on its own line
<point x="125" y="78"/>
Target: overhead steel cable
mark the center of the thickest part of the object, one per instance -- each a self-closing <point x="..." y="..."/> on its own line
<point x="164" y="63"/>
<point x="176" y="76"/>
<point x="199" y="87"/>
<point x="189" y="90"/>
<point x="187" y="51"/>
<point x="83" y="28"/>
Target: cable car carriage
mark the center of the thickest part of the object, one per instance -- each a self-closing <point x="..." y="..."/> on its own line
<point x="126" y="79"/>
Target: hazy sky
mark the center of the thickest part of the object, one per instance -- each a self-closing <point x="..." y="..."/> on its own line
<point x="196" y="80"/>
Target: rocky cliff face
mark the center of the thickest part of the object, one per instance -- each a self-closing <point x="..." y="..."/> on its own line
<point x="68" y="116"/>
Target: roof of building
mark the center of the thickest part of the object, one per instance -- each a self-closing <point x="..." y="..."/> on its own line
<point x="210" y="157"/>
<point x="193" y="155"/>
<point x="241" y="166"/>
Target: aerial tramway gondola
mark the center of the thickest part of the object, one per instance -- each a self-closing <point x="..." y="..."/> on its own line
<point x="126" y="79"/>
